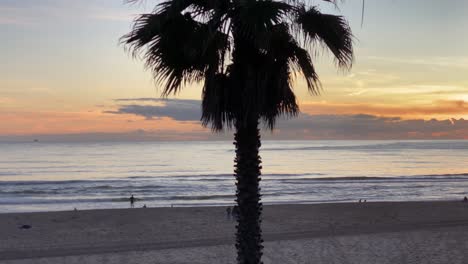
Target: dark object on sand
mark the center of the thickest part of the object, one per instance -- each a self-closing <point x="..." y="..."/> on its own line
<point x="132" y="201"/>
<point x="25" y="227"/>
<point x="144" y="206"/>
<point x="465" y="200"/>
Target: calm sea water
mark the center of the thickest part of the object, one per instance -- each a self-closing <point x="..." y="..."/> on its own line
<point x="62" y="176"/>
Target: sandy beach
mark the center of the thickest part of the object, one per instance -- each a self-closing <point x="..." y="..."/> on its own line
<point x="407" y="232"/>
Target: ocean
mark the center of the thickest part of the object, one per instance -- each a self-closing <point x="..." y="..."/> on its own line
<point x="41" y="176"/>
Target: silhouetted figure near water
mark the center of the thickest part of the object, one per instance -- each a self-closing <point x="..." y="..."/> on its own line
<point x="235" y="212"/>
<point x="465" y="200"/>
<point x="132" y="201"/>
<point x="228" y="213"/>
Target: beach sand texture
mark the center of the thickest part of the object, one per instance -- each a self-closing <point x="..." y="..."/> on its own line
<point x="405" y="232"/>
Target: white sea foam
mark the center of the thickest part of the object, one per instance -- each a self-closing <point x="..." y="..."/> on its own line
<point x="42" y="176"/>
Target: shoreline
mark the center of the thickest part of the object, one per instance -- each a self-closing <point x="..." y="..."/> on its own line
<point x="140" y="205"/>
<point x="59" y="236"/>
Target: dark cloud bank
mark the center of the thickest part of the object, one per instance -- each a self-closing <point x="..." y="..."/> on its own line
<point x="307" y="126"/>
<point x="181" y="110"/>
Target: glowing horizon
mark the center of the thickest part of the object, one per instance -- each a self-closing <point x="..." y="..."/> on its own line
<point x="64" y="71"/>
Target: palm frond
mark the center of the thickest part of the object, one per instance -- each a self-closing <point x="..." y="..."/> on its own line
<point x="186" y="41"/>
<point x="276" y="96"/>
<point x="303" y="61"/>
<point x="333" y="31"/>
<point x="176" y="48"/>
<point x="217" y="102"/>
<point x="279" y="97"/>
<point x="303" y="2"/>
<point x="283" y="45"/>
<point x="251" y="18"/>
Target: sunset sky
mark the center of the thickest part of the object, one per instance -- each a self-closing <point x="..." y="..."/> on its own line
<point x="64" y="76"/>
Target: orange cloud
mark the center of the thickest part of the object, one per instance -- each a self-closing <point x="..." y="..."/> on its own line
<point x="178" y="120"/>
<point x="28" y="123"/>
<point x="438" y="109"/>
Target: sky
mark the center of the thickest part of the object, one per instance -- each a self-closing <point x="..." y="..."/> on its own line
<point x="64" y="76"/>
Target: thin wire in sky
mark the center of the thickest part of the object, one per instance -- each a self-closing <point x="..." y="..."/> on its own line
<point x="362" y="13"/>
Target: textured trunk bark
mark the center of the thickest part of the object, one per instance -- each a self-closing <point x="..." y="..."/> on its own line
<point x="247" y="171"/>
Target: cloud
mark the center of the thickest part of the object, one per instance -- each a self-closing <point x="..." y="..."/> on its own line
<point x="6" y="100"/>
<point x="116" y="127"/>
<point x="14" y="16"/>
<point x="112" y="15"/>
<point x="305" y="127"/>
<point x="30" y="13"/>
<point x="319" y="126"/>
<point x="441" y="108"/>
<point x="180" y="110"/>
<point x="143" y="119"/>
<point x="17" y="122"/>
<point x="371" y="127"/>
<point x="458" y="62"/>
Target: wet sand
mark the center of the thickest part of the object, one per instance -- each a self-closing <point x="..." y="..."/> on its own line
<point x="404" y="232"/>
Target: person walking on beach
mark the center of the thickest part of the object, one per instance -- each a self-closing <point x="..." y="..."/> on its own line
<point x="132" y="201"/>
<point x="228" y="213"/>
<point x="235" y="212"/>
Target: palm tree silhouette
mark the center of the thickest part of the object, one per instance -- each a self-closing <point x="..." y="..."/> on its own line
<point x="246" y="52"/>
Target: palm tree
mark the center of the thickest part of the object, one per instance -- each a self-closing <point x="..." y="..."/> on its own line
<point x="246" y="52"/>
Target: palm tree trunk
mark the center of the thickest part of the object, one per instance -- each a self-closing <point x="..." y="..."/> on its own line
<point x="247" y="171"/>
